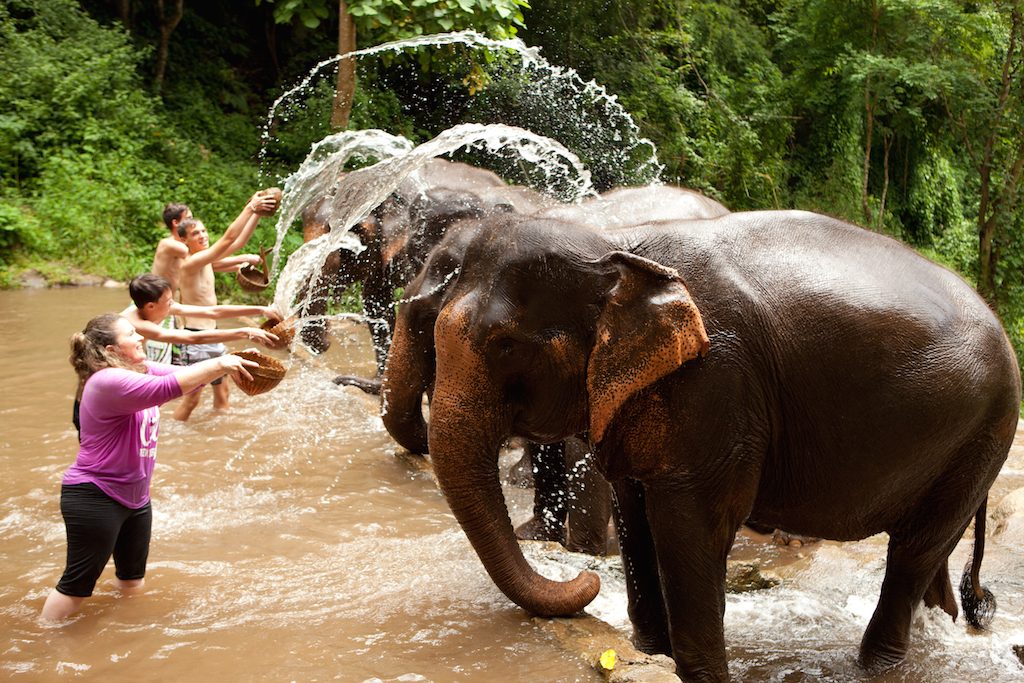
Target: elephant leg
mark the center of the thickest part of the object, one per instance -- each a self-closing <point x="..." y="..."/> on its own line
<point x="521" y="473"/>
<point x="692" y="544"/>
<point x="314" y="332"/>
<point x="910" y="570"/>
<point x="917" y="562"/>
<point x="590" y="502"/>
<point x="940" y="591"/>
<point x="380" y="313"/>
<point x="646" y="604"/>
<point x="549" y="494"/>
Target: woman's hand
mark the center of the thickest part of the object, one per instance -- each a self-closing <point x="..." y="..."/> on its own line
<point x="236" y="366"/>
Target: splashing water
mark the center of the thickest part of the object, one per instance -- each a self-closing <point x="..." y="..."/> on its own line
<point x="324" y="167"/>
<point x="360" y="191"/>
<point x="606" y="114"/>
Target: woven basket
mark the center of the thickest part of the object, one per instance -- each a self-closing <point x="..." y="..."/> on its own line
<point x="255" y="279"/>
<point x="284" y="329"/>
<point x="264" y="378"/>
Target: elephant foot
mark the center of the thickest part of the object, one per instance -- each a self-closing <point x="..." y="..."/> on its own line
<point x="652" y="644"/>
<point x="370" y="386"/>
<point x="535" y="529"/>
<point x="879" y="660"/>
<point x="780" y="537"/>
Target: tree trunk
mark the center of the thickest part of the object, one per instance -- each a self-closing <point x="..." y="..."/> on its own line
<point x="270" y="31"/>
<point x="124" y="12"/>
<point x="887" y="144"/>
<point x="996" y="202"/>
<point x="869" y="112"/>
<point x="346" y="86"/>
<point x="870" y="127"/>
<point x="167" y="26"/>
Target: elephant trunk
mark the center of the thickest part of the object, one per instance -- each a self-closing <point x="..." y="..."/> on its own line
<point x="409" y="372"/>
<point x="464" y="451"/>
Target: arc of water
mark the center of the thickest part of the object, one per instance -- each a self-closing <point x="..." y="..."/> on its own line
<point x="322" y="168"/>
<point x="360" y="191"/>
<point x="528" y="56"/>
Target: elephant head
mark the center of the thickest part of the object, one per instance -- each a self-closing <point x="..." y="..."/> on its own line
<point x="341" y="269"/>
<point x="546" y="333"/>
<point x="410" y="367"/>
<point x="396" y="236"/>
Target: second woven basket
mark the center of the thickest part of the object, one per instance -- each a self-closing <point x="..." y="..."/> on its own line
<point x="265" y="377"/>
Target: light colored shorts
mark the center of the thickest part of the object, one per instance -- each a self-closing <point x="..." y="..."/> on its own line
<point x="194" y="353"/>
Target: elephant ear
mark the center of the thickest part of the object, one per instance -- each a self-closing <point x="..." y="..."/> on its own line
<point x="649" y="327"/>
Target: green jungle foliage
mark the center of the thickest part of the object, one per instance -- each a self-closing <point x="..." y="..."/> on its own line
<point x="904" y="116"/>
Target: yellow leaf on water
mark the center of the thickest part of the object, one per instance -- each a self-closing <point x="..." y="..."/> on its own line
<point x="608" y="659"/>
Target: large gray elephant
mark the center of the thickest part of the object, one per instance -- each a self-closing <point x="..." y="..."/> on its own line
<point x="396" y="237"/>
<point x="782" y="367"/>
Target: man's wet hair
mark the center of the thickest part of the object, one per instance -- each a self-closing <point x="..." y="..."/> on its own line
<point x="147" y="288"/>
<point x="184" y="226"/>
<point x="173" y="212"/>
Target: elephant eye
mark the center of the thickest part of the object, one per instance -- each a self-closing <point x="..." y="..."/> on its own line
<point x="505" y="347"/>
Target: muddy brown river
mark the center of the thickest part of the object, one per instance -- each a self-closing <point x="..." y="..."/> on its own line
<point x="292" y="541"/>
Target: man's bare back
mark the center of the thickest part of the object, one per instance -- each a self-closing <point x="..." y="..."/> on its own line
<point x="170" y="254"/>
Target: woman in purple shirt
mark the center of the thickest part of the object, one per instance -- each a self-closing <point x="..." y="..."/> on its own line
<point x="105" y="495"/>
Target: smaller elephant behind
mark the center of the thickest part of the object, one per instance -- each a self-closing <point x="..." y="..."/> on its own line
<point x="396" y="237"/>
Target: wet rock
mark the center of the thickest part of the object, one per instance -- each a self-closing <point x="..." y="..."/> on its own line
<point x="1019" y="651"/>
<point x="743" y="577"/>
<point x="1007" y="513"/>
<point x="32" y="279"/>
<point x="71" y="277"/>
<point x="592" y="637"/>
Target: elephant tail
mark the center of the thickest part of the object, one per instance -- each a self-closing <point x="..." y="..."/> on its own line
<point x="977" y="601"/>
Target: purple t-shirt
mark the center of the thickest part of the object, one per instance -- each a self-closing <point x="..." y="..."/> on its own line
<point x="120" y="417"/>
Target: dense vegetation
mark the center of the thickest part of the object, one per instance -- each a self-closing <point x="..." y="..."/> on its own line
<point x="904" y="116"/>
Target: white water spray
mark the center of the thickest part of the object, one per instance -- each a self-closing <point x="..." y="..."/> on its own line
<point x="357" y="193"/>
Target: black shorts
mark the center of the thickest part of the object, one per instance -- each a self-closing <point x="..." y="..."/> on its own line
<point x="98" y="527"/>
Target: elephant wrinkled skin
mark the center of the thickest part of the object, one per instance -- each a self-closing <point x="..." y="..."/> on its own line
<point x="784" y="367"/>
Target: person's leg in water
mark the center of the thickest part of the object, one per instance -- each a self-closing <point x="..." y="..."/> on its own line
<point x="188" y="404"/>
<point x="98" y="527"/>
<point x="220" y="395"/>
<point x="194" y="353"/>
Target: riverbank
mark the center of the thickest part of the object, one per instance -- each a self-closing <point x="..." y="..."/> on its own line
<point x="32" y="278"/>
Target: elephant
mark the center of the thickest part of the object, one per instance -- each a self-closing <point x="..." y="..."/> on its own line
<point x="575" y="512"/>
<point x="396" y="237"/>
<point x="625" y="206"/>
<point x="780" y="366"/>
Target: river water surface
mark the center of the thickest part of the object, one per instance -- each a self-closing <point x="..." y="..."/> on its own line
<point x="291" y="542"/>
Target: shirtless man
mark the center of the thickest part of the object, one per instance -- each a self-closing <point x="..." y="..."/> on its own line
<point x="171" y="251"/>
<point x="196" y="288"/>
